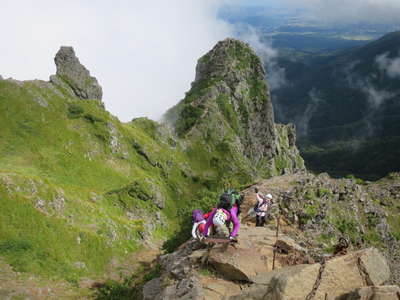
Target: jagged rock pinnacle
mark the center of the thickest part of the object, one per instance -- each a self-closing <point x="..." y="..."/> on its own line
<point x="75" y="75"/>
<point x="229" y="110"/>
<point x="239" y="74"/>
<point x="226" y="57"/>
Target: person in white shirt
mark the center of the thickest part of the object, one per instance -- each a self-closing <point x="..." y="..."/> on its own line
<point x="261" y="207"/>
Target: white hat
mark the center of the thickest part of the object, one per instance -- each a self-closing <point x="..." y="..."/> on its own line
<point x="269" y="196"/>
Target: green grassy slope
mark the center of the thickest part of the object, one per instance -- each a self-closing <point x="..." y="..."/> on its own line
<point x="78" y="187"/>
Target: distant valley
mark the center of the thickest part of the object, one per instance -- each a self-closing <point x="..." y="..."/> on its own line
<point x="337" y="83"/>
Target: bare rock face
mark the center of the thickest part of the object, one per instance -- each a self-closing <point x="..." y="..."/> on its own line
<point x="239" y="81"/>
<point x="326" y="281"/>
<point x="229" y="110"/>
<point x="72" y="73"/>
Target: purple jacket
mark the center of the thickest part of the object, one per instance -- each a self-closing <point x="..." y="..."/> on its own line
<point x="197" y="215"/>
<point x="231" y="217"/>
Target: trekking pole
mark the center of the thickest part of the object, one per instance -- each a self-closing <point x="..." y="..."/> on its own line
<point x="276" y="240"/>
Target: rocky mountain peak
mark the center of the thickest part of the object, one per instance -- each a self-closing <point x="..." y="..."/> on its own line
<point x="75" y="75"/>
<point x="229" y="107"/>
<point x="230" y="58"/>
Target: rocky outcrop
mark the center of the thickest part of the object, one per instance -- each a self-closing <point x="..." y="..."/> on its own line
<point x="331" y="279"/>
<point x="229" y="112"/>
<point x="244" y="271"/>
<point x="327" y="209"/>
<point x="241" y="86"/>
<point x="74" y="76"/>
<point x="287" y="159"/>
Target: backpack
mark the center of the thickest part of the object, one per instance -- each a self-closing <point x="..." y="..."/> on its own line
<point x="256" y="207"/>
<point x="229" y="199"/>
<point x="219" y="218"/>
<point x="258" y="204"/>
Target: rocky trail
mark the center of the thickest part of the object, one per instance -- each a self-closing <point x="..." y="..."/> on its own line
<point x="303" y="269"/>
<point x="244" y="271"/>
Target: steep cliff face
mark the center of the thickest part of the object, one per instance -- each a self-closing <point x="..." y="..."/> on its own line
<point x="229" y="111"/>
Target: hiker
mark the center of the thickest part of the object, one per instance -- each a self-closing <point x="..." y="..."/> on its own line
<point x="199" y="222"/>
<point x="261" y="207"/>
<point x="226" y="212"/>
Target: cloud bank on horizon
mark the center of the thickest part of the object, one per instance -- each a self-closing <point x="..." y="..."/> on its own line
<point x="353" y="11"/>
<point x="143" y="53"/>
<point x="346" y="11"/>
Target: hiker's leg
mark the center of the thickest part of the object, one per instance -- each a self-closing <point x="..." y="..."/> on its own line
<point x="222" y="231"/>
<point x="262" y="222"/>
<point x="258" y="221"/>
<point x="228" y="226"/>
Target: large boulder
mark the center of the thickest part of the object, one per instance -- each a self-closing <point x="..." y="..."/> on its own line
<point x="74" y="75"/>
<point x="186" y="289"/>
<point x="237" y="264"/>
<point x="292" y="283"/>
<point x="336" y="277"/>
<point x="218" y="289"/>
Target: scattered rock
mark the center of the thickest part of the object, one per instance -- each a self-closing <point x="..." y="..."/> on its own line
<point x="40" y="203"/>
<point x="157" y="196"/>
<point x="58" y="202"/>
<point x="117" y="147"/>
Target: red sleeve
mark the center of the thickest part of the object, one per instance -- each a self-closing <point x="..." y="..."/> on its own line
<point x="206" y="215"/>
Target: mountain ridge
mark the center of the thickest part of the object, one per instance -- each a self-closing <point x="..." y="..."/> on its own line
<point x="79" y="190"/>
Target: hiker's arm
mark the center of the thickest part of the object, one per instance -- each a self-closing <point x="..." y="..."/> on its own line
<point x="209" y="223"/>
<point x="260" y="199"/>
<point x="194" y="229"/>
<point x="235" y="221"/>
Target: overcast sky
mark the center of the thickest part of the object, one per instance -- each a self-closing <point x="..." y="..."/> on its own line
<point x="143" y="53"/>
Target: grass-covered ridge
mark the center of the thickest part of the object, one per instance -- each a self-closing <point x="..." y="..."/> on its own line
<point x="79" y="188"/>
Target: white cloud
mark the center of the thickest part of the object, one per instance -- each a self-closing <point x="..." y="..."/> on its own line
<point x="142" y="52"/>
<point x="275" y="75"/>
<point x="303" y="121"/>
<point x="389" y="65"/>
<point x="375" y="96"/>
<point x="351" y="11"/>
